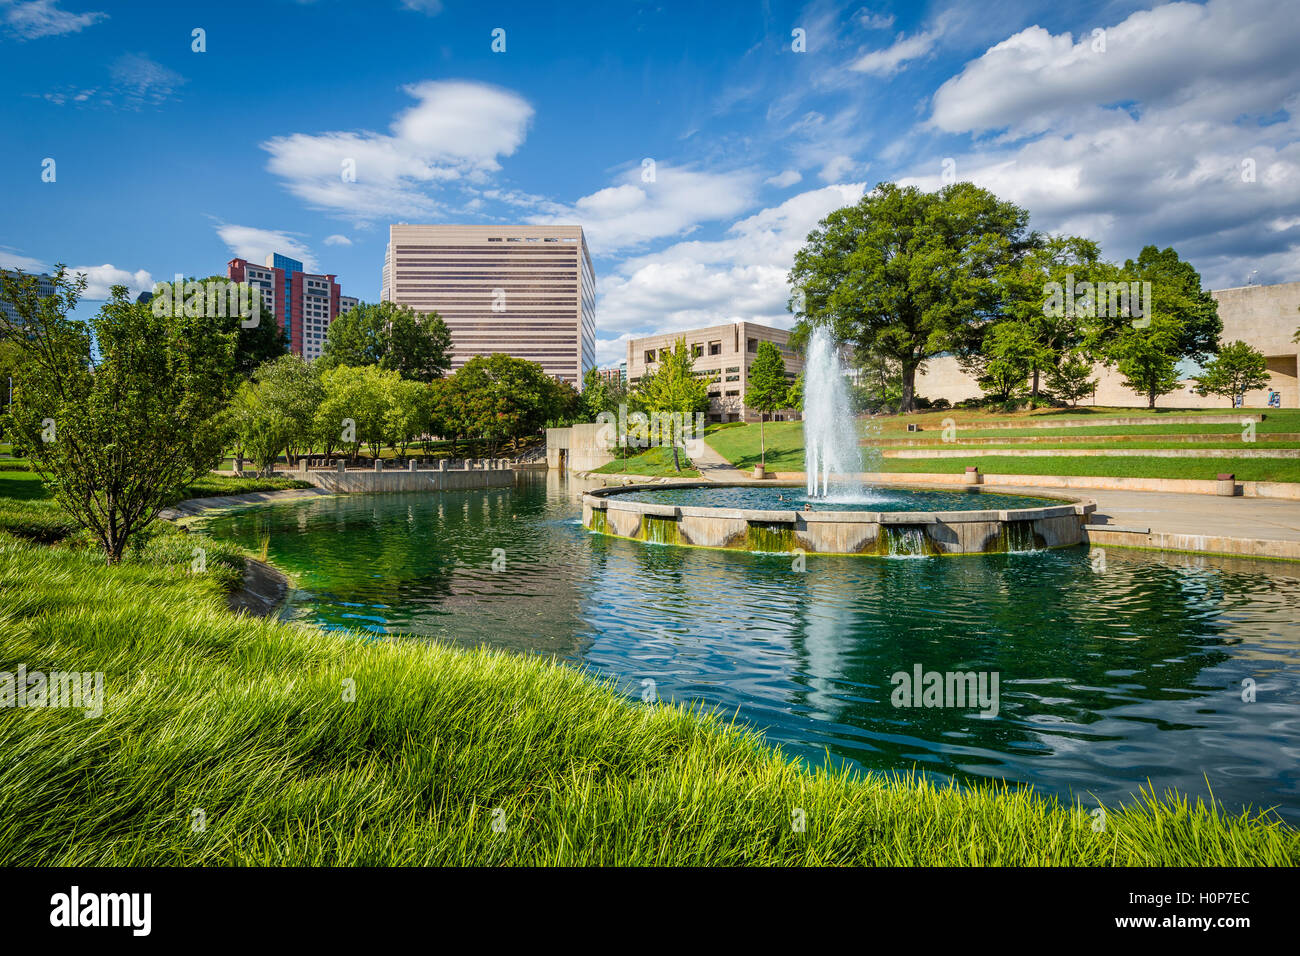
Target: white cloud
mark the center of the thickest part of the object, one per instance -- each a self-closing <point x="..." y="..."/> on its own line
<point x="1145" y="143"/>
<point x="699" y="283"/>
<point x="337" y="240"/>
<point x="890" y="60"/>
<point x="1220" y="60"/>
<point x="101" y="279"/>
<point x="428" y="7"/>
<point x="253" y="244"/>
<point x="456" y="132"/>
<point x="9" y="259"/>
<point x="784" y="179"/>
<point x="633" y="211"/>
<point x="43" y="18"/>
<point x="874" y="21"/>
<point x="140" y="80"/>
<point x="134" y="81"/>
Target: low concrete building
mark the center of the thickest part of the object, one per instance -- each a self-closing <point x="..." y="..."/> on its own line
<point x="723" y="354"/>
<point x="1263" y="316"/>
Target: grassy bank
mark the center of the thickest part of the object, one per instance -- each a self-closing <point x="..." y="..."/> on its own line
<point x="250" y="722"/>
<point x="653" y="463"/>
<point x="785" y="451"/>
<point x="27" y="511"/>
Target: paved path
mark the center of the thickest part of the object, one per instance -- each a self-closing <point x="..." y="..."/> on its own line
<point x="714" y="467"/>
<point x="1272" y="519"/>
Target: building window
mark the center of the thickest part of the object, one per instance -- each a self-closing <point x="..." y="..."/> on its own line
<point x="649" y="356"/>
<point x="715" y="348"/>
<point x="697" y="351"/>
<point x="751" y="345"/>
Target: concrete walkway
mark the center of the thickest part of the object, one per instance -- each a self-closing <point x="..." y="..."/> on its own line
<point x="713" y="467"/>
<point x="1246" y="527"/>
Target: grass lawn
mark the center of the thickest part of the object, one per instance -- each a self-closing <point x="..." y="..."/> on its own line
<point x="26" y="509"/>
<point x="653" y="462"/>
<point x="740" y="446"/>
<point x="254" y="723"/>
<point x="1246" y="469"/>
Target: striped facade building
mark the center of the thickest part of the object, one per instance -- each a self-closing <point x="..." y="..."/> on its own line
<point x="527" y="291"/>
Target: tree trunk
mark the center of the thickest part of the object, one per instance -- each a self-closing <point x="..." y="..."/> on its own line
<point x="1033" y="393"/>
<point x="908" y="403"/>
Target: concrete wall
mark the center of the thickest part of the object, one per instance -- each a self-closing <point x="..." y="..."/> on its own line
<point x="576" y="448"/>
<point x="374" y="482"/>
<point x="1263" y="316"/>
<point x="833" y="532"/>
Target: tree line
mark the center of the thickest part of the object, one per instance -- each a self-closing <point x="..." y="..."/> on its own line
<point x="119" y="414"/>
<point x="904" y="276"/>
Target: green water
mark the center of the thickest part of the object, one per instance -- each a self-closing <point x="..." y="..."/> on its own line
<point x="1106" y="678"/>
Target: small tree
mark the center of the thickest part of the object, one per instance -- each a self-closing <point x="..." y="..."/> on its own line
<point x="355" y="407"/>
<point x="408" y="412"/>
<point x="768" y="389"/>
<point x="1072" y="379"/>
<point x="1010" y="352"/>
<point x="118" y="415"/>
<point x="261" y="426"/>
<point x="674" y="389"/>
<point x="1148" y="358"/>
<point x="293" y="387"/>
<point x="1236" y="370"/>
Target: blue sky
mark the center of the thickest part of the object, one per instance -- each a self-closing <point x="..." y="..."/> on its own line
<point x="1129" y="123"/>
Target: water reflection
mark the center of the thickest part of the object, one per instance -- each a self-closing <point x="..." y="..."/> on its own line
<point x="1107" y="679"/>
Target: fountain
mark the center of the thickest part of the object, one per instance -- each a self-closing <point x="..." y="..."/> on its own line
<point x="830" y="434"/>
<point x="831" y="518"/>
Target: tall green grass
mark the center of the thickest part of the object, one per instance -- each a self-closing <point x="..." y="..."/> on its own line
<point x="291" y="746"/>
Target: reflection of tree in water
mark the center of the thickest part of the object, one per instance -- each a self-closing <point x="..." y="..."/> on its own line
<point x="1070" y="646"/>
<point x="423" y="565"/>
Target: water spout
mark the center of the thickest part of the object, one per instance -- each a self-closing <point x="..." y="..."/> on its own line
<point x="830" y="436"/>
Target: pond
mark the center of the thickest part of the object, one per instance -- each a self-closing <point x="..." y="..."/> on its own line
<point x="1107" y="677"/>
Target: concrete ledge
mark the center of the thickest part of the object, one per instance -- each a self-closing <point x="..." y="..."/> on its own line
<point x="382" y="482"/>
<point x="606" y="511"/>
<point x="1188" y="486"/>
<point x="1198" y="543"/>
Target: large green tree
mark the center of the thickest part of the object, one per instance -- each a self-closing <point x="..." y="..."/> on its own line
<point x="1025" y="283"/>
<point x="908" y="274"/>
<point x="499" y="398"/>
<point x="394" y="337"/>
<point x="119" y="414"/>
<point x="767" y="389"/>
<point x="276" y="409"/>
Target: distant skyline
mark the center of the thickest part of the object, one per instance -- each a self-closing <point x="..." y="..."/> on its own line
<point x="1173" y="124"/>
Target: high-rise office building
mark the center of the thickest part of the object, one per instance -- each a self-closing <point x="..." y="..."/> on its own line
<point x="304" y="303"/>
<point x="528" y="291"/>
<point x="44" y="289"/>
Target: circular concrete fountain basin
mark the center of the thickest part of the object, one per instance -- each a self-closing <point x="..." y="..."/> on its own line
<point x="834" y="527"/>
